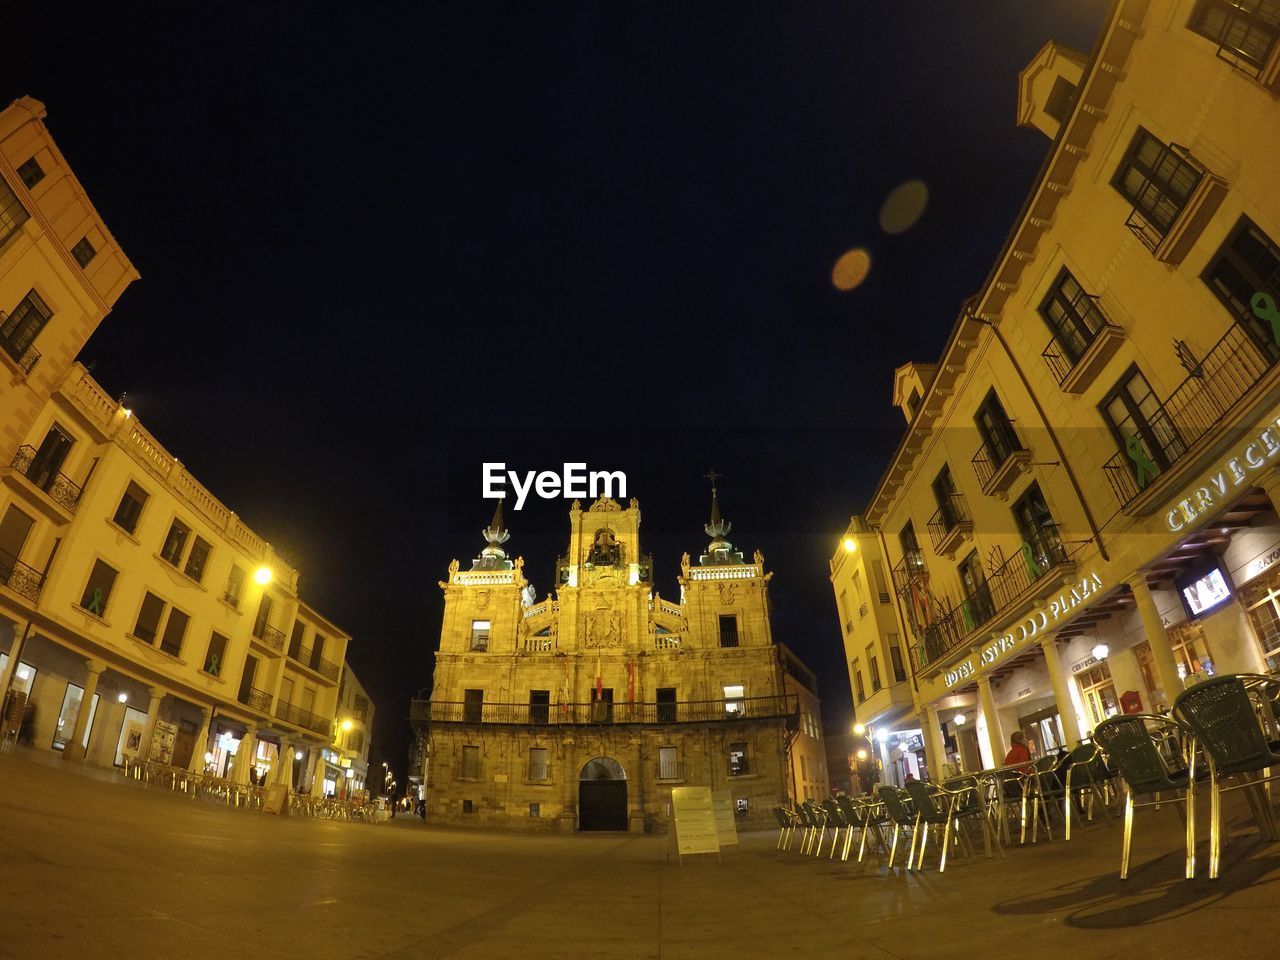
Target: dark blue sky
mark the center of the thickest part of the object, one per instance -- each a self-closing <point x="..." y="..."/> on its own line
<point x="379" y="245"/>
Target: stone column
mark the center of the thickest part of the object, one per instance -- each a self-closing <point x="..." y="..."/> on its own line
<point x="153" y="713"/>
<point x="1157" y="637"/>
<point x="1061" y="694"/>
<point x="73" y="750"/>
<point x="1270" y="482"/>
<point x="935" y="747"/>
<point x="994" y="736"/>
<point x="244" y="755"/>
<point x="202" y="741"/>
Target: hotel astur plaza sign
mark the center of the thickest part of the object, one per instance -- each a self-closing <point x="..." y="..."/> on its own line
<point x="1040" y="621"/>
<point x="1231" y="473"/>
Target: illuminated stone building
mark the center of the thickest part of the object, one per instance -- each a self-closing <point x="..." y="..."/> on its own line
<point x="581" y="711"/>
<point x="352" y="731"/>
<point x="151" y="621"/>
<point x="808" y="755"/>
<point x="1083" y="509"/>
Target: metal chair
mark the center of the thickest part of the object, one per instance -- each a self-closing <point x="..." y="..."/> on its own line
<point x="1089" y="766"/>
<point x="786" y="826"/>
<point x="835" y="817"/>
<point x="1043" y="788"/>
<point x="1222" y="719"/>
<point x="897" y="806"/>
<point x="820" y="819"/>
<point x="869" y="818"/>
<point x="937" y="806"/>
<point x="1130" y="748"/>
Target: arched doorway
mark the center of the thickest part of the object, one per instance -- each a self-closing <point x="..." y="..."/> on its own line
<point x="602" y="795"/>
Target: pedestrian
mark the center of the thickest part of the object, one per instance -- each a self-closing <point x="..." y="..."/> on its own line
<point x="1018" y="752"/>
<point x="27" y="731"/>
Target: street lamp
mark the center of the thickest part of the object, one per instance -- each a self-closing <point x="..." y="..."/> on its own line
<point x="849" y="544"/>
<point x="859" y="729"/>
<point x="346" y="725"/>
<point x="262" y="576"/>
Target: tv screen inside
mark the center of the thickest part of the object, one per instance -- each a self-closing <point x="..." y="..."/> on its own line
<point x="1205" y="592"/>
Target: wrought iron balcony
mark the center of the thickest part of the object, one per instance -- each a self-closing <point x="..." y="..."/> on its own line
<point x="269" y="635"/>
<point x="423" y="712"/>
<point x="1233" y="367"/>
<point x="60" y="488"/>
<point x="25" y="358"/>
<point x="256" y="699"/>
<point x="1000" y="455"/>
<point x="1040" y="556"/>
<point x="950" y="524"/>
<point x="295" y="715"/>
<point x="20" y="578"/>
<point x="312" y="661"/>
<point x="1078" y="351"/>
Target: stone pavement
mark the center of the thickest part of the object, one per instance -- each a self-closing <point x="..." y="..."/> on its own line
<point x="92" y="868"/>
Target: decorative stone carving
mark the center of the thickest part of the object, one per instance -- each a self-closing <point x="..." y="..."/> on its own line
<point x="604" y="630"/>
<point x="606" y="505"/>
<point x="605" y="549"/>
<point x="728" y="593"/>
<point x="482" y="599"/>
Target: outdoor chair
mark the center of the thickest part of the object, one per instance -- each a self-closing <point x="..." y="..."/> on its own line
<point x="820" y="820"/>
<point x="1222" y="718"/>
<point x="897" y="806"/>
<point x="786" y="826"/>
<point x="861" y="817"/>
<point x="814" y="821"/>
<point x="1042" y="788"/>
<point x="1130" y="747"/>
<point x="937" y="806"/>
<point x="1004" y="791"/>
<point x="835" y="817"/>
<point x="1088" y="778"/>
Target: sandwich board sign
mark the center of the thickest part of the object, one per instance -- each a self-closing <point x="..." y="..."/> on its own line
<point x="693" y="822"/>
<point x="726" y="825"/>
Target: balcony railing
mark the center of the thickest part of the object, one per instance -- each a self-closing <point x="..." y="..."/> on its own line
<point x="995" y="451"/>
<point x="669" y="770"/>
<point x="57" y="485"/>
<point x="1038" y="557"/>
<point x="20" y="578"/>
<point x="309" y="659"/>
<point x="269" y="635"/>
<point x="302" y="718"/>
<point x="568" y="714"/>
<point x="26" y="359"/>
<point x="952" y="512"/>
<point x="256" y="699"/>
<point x="1234" y="365"/>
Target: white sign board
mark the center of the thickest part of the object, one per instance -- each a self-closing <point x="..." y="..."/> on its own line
<point x="693" y="821"/>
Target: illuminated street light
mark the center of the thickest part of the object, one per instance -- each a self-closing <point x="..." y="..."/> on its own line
<point x="849" y="544"/>
<point x="1100" y="651"/>
<point x="297" y="754"/>
<point x="262" y="575"/>
<point x="346" y="724"/>
<point x="123" y="698"/>
<point x="861" y="754"/>
<point x="883" y="734"/>
<point x="859" y="729"/>
<point x="959" y="720"/>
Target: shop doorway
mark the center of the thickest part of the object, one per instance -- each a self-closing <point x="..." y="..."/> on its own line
<point x="602" y="795"/>
<point x="1099" y="693"/>
<point x="129" y="743"/>
<point x="1043" y="730"/>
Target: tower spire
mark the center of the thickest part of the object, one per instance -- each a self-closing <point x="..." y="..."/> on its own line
<point x="496" y="534"/>
<point x="720" y="550"/>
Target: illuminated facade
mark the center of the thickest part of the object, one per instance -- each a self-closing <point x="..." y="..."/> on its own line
<point x="352" y="731"/>
<point x="808" y="753"/>
<point x="1083" y="510"/>
<point x="583" y="710"/>
<point x="151" y="621"/>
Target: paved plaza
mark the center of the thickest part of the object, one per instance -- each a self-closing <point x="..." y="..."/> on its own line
<point x="94" y="867"/>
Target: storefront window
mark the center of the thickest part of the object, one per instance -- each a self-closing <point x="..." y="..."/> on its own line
<point x="1264" y="614"/>
<point x="71" y="701"/>
<point x="1190" y="654"/>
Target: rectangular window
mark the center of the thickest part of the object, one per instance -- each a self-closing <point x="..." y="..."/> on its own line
<point x="1038" y="531"/>
<point x="1061" y="99"/>
<point x="83" y="252"/>
<point x="1141" y="427"/>
<point x="480" y="635"/>
<point x="977" y="607"/>
<point x="197" y="559"/>
<point x="149" y="615"/>
<point x="216" y="654"/>
<point x="45" y="465"/>
<point x="235" y="587"/>
<point x="668" y="763"/>
<point x="12" y="213"/>
<point x="130" y="508"/>
<point x="734" y="702"/>
<point x="857" y="682"/>
<point x="666" y="697"/>
<point x="1072" y="316"/>
<point x="19" y="329"/>
<point x="873" y="668"/>
<point x="468" y="806"/>
<point x="470" y="763"/>
<point x="14" y="530"/>
<point x="844" y="610"/>
<point x="539" y="706"/>
<point x="1245" y="267"/>
<point x="472" y="706"/>
<point x="882" y="585"/>
<point x="538" y="770"/>
<point x="317" y="651"/>
<point x="535" y="810"/>
<point x="738" y="764"/>
<point x="1247" y="29"/>
<point x="1157" y="179"/>
<point x="98" y="590"/>
<point x="728" y="630"/>
<point x="31" y="173"/>
<point x="263" y="619"/>
<point x="295" y="640"/>
<point x="175" y="629"/>
<point x="999" y="442"/>
<point x="175" y="542"/>
<point x="895" y="659"/>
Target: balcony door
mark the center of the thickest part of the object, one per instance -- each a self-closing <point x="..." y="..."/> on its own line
<point x="996" y="430"/>
<point x="976" y="608"/>
<point x="666" y="704"/>
<point x="48" y="460"/>
<point x="1039" y="532"/>
<point x="246" y="678"/>
<point x="945" y="492"/>
<point x="14" y="530"/>
<point x="1141" y="427"/>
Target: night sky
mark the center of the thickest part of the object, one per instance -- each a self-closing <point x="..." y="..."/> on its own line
<point x="379" y="247"/>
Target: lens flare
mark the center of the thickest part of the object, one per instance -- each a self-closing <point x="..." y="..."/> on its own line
<point x="904" y="206"/>
<point x="851" y="269"/>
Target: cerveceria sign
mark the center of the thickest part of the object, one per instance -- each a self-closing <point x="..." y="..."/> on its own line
<point x="1258" y="453"/>
<point x="1041" y="621"/>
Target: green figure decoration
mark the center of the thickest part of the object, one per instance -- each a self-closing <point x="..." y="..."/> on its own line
<point x="1034" y="570"/>
<point x="967" y="616"/>
<point x="1143" y="469"/>
<point x="94" y="605"/>
<point x="1264" y="308"/>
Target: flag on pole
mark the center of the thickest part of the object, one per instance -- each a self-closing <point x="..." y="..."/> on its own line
<point x="564" y="690"/>
<point x="631" y="679"/>
<point x="599" y="680"/>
